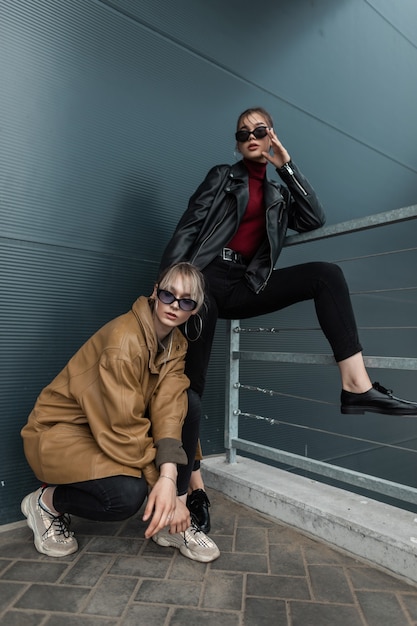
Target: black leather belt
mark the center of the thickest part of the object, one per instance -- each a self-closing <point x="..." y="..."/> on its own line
<point x="227" y="254"/>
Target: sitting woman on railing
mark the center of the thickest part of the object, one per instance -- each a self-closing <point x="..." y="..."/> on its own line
<point x="233" y="230"/>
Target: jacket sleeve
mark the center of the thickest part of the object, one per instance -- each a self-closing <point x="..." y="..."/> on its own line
<point x="305" y="210"/>
<point x="184" y="241"/>
<point x="167" y="410"/>
<point x="125" y="431"/>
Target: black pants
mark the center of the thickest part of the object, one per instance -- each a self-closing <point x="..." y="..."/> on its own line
<point x="229" y="297"/>
<point x="105" y="499"/>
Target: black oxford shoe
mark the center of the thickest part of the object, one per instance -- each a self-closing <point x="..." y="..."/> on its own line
<point x="198" y="505"/>
<point x="376" y="400"/>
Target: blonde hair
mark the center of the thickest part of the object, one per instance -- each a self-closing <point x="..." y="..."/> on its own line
<point x="189" y="273"/>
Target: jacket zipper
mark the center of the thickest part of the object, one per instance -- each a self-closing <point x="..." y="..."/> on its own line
<point x="290" y="171"/>
<point x="271" y="265"/>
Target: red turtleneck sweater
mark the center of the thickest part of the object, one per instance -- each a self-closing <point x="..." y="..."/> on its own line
<point x="252" y="229"/>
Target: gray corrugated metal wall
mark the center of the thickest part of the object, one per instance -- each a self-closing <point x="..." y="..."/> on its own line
<point x="110" y="114"/>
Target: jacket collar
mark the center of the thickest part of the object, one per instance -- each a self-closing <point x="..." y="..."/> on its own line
<point x="142" y="311"/>
<point x="239" y="171"/>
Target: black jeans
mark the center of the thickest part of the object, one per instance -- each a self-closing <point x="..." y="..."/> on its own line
<point x="104" y="499"/>
<point x="229" y="297"/>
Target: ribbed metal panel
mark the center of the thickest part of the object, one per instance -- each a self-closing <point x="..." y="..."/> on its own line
<point x="112" y="111"/>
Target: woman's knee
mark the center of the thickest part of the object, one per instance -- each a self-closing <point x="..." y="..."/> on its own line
<point x="330" y="273"/>
<point x="130" y="497"/>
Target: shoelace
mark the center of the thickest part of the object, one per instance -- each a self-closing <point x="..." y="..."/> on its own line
<point x="381" y="389"/>
<point x="59" y="525"/>
<point x="202" y="539"/>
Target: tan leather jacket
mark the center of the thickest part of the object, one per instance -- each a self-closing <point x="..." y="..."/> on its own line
<point x="116" y="408"/>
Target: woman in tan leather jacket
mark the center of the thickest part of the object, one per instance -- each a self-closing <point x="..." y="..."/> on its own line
<point x="106" y="433"/>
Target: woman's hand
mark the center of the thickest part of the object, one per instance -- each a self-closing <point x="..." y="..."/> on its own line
<point x="161" y="505"/>
<point x="181" y="519"/>
<point x="279" y="155"/>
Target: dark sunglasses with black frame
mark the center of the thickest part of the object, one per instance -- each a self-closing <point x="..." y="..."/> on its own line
<point x="259" y="133"/>
<point x="166" y="297"/>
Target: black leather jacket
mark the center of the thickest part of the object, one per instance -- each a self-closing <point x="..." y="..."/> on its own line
<point x="216" y="208"/>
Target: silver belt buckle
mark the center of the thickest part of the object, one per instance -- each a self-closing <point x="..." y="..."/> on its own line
<point x="227" y="254"/>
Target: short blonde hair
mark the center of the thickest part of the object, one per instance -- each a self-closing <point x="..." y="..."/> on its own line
<point x="189" y="273"/>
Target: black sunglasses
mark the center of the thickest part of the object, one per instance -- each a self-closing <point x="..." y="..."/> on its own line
<point x="259" y="133"/>
<point x="185" y="304"/>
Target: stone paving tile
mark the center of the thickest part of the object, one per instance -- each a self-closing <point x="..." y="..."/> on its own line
<point x="410" y="604"/>
<point x="19" y="618"/>
<point x="330" y="584"/>
<point x="267" y="574"/>
<point x="169" y="592"/>
<point x="265" y="612"/>
<point x="203" y="618"/>
<point x="53" y="598"/>
<point x="223" y="590"/>
<point x="31" y="571"/>
<point x="145" y="615"/>
<point x="9" y="592"/>
<point x="111" y="596"/>
<point x="287" y="560"/>
<point x="249" y="539"/>
<point x="140" y="567"/>
<point x="185" y="569"/>
<point x="277" y="586"/>
<point x="241" y="562"/>
<point x="316" y="614"/>
<point x="380" y="609"/>
<point x="87" y="570"/>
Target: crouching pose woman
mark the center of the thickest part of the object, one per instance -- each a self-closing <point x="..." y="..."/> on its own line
<point x="106" y="433"/>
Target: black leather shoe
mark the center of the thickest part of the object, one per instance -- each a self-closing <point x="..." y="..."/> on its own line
<point x="376" y="400"/>
<point x="198" y="505"/>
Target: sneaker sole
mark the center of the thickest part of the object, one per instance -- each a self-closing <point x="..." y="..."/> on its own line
<point x="32" y="525"/>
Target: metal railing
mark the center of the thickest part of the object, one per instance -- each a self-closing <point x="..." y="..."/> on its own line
<point x="234" y="443"/>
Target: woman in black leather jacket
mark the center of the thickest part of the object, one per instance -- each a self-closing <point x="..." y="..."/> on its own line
<point x="233" y="231"/>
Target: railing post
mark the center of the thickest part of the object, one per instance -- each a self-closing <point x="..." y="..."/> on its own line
<point x="231" y="429"/>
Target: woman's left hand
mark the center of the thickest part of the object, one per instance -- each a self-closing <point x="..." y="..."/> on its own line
<point x="161" y="505"/>
<point x="279" y="155"/>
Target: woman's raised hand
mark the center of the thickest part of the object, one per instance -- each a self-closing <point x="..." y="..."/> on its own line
<point x="277" y="155"/>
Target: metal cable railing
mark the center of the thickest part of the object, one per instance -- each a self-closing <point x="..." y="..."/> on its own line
<point x="237" y="356"/>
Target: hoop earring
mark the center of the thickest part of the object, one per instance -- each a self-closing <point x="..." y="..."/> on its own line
<point x="198" y="329"/>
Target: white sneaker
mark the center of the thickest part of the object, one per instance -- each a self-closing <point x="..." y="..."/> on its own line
<point x="192" y="543"/>
<point x="51" y="533"/>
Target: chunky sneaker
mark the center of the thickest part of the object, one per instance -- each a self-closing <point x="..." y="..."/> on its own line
<point x="51" y="533"/>
<point x="198" y="505"/>
<point x="192" y="543"/>
<point x="376" y="400"/>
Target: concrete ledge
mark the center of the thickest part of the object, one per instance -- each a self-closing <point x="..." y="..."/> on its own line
<point x="376" y="532"/>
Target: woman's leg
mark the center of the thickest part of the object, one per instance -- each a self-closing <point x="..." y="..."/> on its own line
<point x="353" y="374"/>
<point x="104" y="499"/>
<point x="190" y="435"/>
<point x="326" y="285"/>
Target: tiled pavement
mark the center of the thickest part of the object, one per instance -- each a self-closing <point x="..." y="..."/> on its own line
<point x="267" y="574"/>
